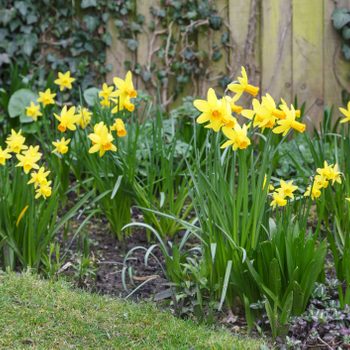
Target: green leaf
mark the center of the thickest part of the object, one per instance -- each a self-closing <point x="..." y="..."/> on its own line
<point x="132" y="44"/>
<point x="88" y="3"/>
<point x="346" y="33"/>
<point x="340" y="18"/>
<point x="346" y="51"/>
<point x="18" y="103"/>
<point x="91" y="95"/>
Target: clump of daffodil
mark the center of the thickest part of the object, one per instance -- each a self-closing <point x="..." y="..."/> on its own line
<point x="119" y="127"/>
<point x="124" y="93"/>
<point x="330" y="172"/>
<point x="64" y="81"/>
<point x="289" y="122"/>
<point x="261" y="116"/>
<point x="15" y="142"/>
<point x="4" y="155"/>
<point x="39" y="178"/>
<point x="216" y="112"/>
<point x="61" y="146"/>
<point x="33" y="111"/>
<point x="67" y="119"/>
<point x="101" y="140"/>
<point x="237" y="137"/>
<point x="84" y="117"/>
<point x="29" y="158"/>
<point x="106" y="94"/>
<point x="46" y="97"/>
<point x="243" y="85"/>
<point x="346" y="113"/>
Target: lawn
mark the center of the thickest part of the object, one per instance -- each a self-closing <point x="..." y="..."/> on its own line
<point x="39" y="314"/>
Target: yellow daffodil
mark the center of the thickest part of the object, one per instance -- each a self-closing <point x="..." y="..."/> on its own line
<point x="270" y="188"/>
<point x="33" y="111"/>
<point x="105" y="102"/>
<point x="287" y="189"/>
<point x="64" y="81"/>
<point x="243" y="85"/>
<point x="84" y="116"/>
<point x="29" y="158"/>
<point x="39" y="178"/>
<point x="232" y="101"/>
<point x="346" y="113"/>
<point x="289" y="122"/>
<point x="237" y="136"/>
<point x="278" y="199"/>
<point x="283" y="106"/>
<point x="46" y="97"/>
<point x="314" y="191"/>
<point x="4" y="155"/>
<point x="67" y="119"/>
<point x="124" y="93"/>
<point x="321" y="181"/>
<point x="119" y="127"/>
<point x="61" y="146"/>
<point x="330" y="172"/>
<point x="15" y="142"/>
<point x="101" y="139"/>
<point x="106" y="91"/>
<point x="44" y="190"/>
<point x="262" y="117"/>
<point x="215" y="111"/>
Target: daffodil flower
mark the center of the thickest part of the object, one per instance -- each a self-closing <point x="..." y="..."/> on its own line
<point x="124" y="93"/>
<point x="64" y="80"/>
<point x="119" y="127"/>
<point x="39" y="178"/>
<point x="61" y="146"/>
<point x="67" y="119"/>
<point x="284" y="125"/>
<point x="4" y="155"/>
<point x="15" y="142"/>
<point x="46" y="97"/>
<point x="29" y="158"/>
<point x="243" y="85"/>
<point x="33" y="111"/>
<point x="101" y="140"/>
<point x="346" y="113"/>
<point x="237" y="136"/>
<point x="215" y="111"/>
<point x="278" y="199"/>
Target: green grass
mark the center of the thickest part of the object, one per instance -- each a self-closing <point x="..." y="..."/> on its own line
<point x="37" y="314"/>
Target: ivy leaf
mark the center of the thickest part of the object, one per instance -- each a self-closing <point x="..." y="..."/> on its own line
<point x="340" y="18"/>
<point x="346" y="51"/>
<point x="88" y="3"/>
<point x="18" y="103"/>
<point x="91" y="95"/>
<point x="91" y="23"/>
<point x="132" y="44"/>
<point x="30" y="41"/>
<point x="346" y="33"/>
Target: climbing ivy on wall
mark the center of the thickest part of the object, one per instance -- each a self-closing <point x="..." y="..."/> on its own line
<point x="41" y="37"/>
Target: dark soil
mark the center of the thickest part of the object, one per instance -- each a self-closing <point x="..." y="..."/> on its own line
<point x="104" y="275"/>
